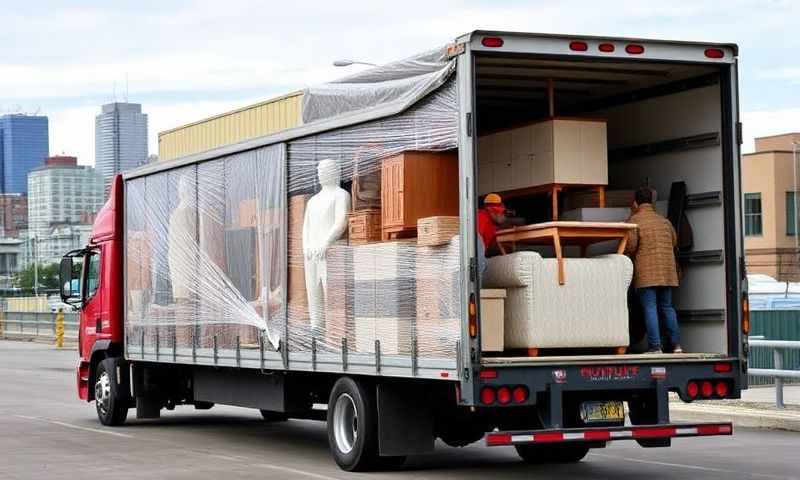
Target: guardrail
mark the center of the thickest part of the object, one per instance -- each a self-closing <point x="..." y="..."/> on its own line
<point x="38" y="324"/>
<point x="777" y="373"/>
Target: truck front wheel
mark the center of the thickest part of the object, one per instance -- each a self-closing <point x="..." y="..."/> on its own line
<point x="353" y="426"/>
<point x="111" y="400"/>
<point x="562" y="453"/>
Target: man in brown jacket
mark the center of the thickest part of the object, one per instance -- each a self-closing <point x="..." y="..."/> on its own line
<point x="652" y="247"/>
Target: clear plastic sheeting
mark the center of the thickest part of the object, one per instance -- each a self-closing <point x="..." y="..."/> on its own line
<point x="206" y="253"/>
<point x="351" y="286"/>
<point x="265" y="247"/>
<point x="405" y="81"/>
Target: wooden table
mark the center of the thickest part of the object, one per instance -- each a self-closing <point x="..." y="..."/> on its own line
<point x="560" y="234"/>
<point x="553" y="190"/>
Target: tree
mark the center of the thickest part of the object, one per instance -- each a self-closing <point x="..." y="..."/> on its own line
<point x="48" y="277"/>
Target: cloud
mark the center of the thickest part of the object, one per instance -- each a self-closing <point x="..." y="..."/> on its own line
<point x="187" y="59"/>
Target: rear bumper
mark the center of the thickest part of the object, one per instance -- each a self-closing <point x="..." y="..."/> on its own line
<point x="607" y="434"/>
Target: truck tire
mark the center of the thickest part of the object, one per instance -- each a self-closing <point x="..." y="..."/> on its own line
<point x="270" y="416"/>
<point x="353" y="426"/>
<point x="562" y="453"/>
<point x="110" y="400"/>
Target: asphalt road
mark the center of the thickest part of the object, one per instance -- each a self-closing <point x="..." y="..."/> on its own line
<point x="46" y="432"/>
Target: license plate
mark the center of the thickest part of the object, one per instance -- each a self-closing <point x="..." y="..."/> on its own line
<point x="592" y="412"/>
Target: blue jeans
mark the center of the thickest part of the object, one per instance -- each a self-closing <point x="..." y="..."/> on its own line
<point x="657" y="300"/>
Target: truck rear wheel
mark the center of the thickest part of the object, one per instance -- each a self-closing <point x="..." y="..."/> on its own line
<point x="562" y="453"/>
<point x="353" y="426"/>
<point x="111" y="401"/>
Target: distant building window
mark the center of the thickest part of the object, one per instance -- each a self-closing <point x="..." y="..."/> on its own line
<point x="791" y="214"/>
<point x="752" y="214"/>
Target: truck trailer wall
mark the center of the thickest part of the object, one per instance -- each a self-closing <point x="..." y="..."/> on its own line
<point x="217" y="261"/>
<point x="698" y="111"/>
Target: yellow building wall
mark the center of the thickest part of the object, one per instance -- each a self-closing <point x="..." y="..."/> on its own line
<point x="257" y="120"/>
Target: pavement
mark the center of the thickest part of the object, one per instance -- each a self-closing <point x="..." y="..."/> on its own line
<point x="46" y="432"/>
<point x="755" y="409"/>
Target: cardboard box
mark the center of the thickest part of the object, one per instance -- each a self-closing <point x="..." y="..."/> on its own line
<point x="492" y="319"/>
<point x="384" y="296"/>
<point x="436" y="230"/>
<point x="438" y="293"/>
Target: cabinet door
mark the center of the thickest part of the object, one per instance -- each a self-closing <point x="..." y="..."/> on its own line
<point x="542" y="158"/>
<point x="594" y="153"/>
<point x="392" y="195"/>
<point x="521" y="157"/>
<point x="501" y="148"/>
<point x="567" y="149"/>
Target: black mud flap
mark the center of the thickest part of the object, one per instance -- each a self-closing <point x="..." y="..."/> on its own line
<point x="405" y="420"/>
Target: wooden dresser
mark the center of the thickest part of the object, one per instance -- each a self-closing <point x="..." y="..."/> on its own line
<point x="416" y="185"/>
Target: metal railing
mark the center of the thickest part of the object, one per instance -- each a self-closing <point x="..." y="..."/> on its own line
<point x="778" y="373"/>
<point x="37" y="324"/>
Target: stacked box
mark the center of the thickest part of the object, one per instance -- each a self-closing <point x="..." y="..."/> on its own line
<point x="385" y="296"/>
<point x="339" y="297"/>
<point x="433" y="231"/>
<point x="297" y="309"/>
<point x="438" y="293"/>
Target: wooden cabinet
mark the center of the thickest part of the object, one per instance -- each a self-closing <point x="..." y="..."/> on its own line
<point x="567" y="151"/>
<point x="416" y="185"/>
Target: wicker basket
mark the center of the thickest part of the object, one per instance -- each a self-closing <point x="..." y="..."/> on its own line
<point x="436" y="230"/>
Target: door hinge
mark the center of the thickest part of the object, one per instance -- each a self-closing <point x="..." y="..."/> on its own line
<point x="739" y="134"/>
<point x="469" y="124"/>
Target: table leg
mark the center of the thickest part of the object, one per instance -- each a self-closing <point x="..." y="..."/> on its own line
<point x="501" y="247"/>
<point x="554" y="198"/>
<point x="601" y="196"/>
<point x="559" y="257"/>
<point x="623" y="242"/>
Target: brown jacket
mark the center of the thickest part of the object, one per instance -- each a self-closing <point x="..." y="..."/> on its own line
<point x="652" y="247"/>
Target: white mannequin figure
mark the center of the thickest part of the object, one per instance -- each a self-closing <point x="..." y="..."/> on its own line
<point x="324" y="222"/>
<point x="182" y="226"/>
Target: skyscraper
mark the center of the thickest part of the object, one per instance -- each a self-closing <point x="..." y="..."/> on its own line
<point x="24" y="144"/>
<point x="120" y="138"/>
<point x="62" y="194"/>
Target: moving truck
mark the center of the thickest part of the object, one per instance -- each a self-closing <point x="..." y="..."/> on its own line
<point x="224" y="277"/>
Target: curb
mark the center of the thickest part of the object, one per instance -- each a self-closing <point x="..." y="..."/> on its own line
<point x="739" y="416"/>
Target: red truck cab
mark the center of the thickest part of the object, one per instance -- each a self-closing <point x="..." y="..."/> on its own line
<point x="99" y="296"/>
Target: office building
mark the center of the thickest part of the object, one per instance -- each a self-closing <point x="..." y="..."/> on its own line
<point x="13" y="214"/>
<point x="120" y="139"/>
<point x="770" y="178"/>
<point x="24" y="144"/>
<point x="62" y="193"/>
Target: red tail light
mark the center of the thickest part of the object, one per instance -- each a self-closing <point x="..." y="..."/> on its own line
<point x="723" y="367"/>
<point x="606" y="47"/>
<point x="504" y="395"/>
<point x="492" y="42"/>
<point x="722" y="389"/>
<point x="578" y="46"/>
<point x="714" y="53"/>
<point x="707" y="389"/>
<point x="488" y="374"/>
<point x="634" y="49"/>
<point x="487" y="395"/>
<point x="520" y="394"/>
<point x="692" y="389"/>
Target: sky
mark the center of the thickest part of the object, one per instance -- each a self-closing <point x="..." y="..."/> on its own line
<point x="184" y="60"/>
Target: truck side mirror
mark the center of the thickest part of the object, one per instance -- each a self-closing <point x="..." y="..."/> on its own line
<point x="65" y="279"/>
